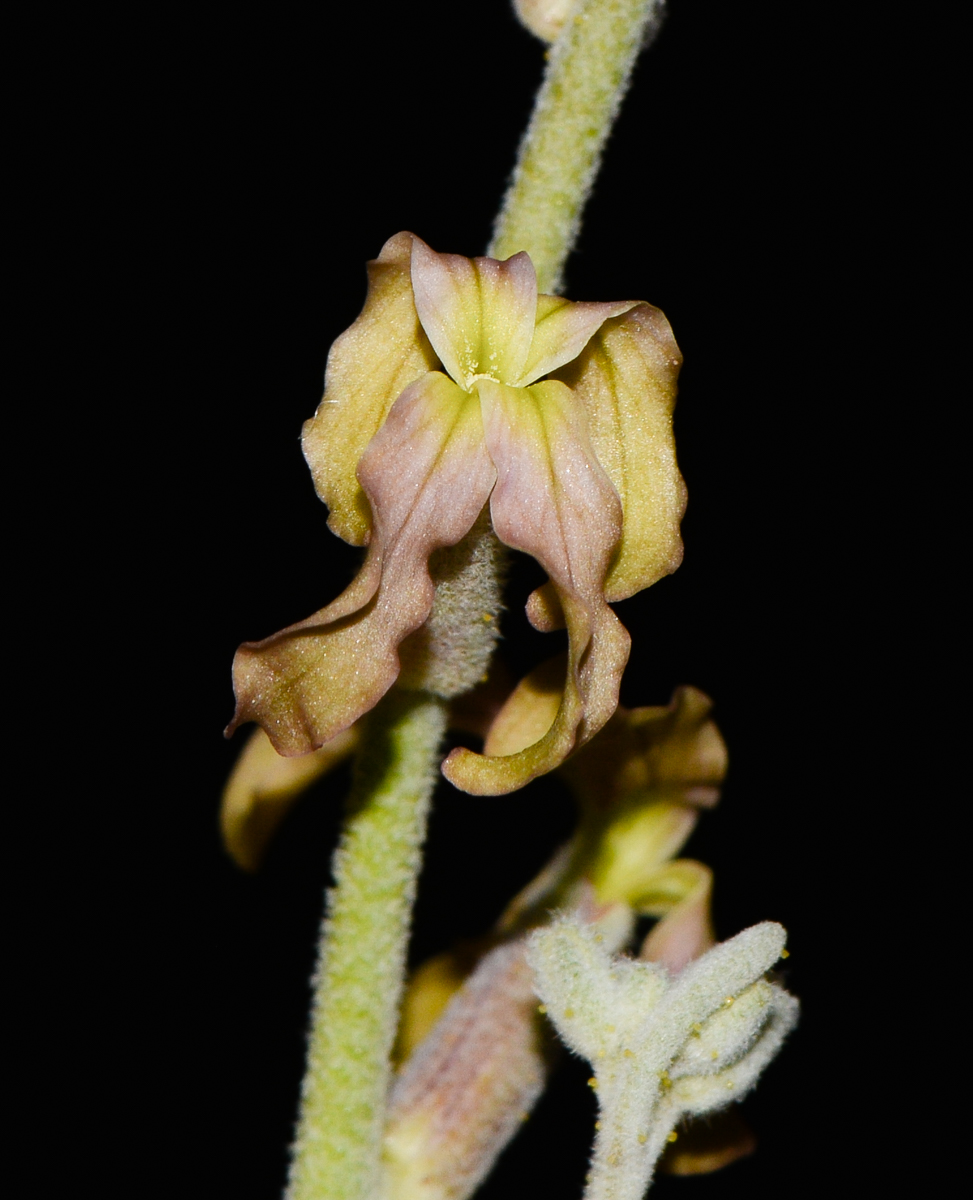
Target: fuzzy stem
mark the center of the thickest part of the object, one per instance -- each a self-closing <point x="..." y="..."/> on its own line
<point x="358" y="982"/>
<point x="588" y="73"/>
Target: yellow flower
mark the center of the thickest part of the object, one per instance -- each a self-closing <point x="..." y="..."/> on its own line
<point x="457" y="387"/>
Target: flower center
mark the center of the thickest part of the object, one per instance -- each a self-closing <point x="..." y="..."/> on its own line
<point x="471" y="380"/>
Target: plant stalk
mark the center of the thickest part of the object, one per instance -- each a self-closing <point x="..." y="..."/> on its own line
<point x="588" y="72"/>
<point x="358" y="982"/>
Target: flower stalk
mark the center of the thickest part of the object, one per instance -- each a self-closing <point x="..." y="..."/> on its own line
<point x="358" y="982"/>
<point x="589" y="70"/>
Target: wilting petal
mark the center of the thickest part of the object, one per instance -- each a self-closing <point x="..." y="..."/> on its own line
<point x="673" y="752"/>
<point x="369" y="367"/>
<point x="264" y="786"/>
<point x="626" y="379"/>
<point x="553" y="501"/>
<point x="680" y="894"/>
<point x="478" y="312"/>
<point x="427" y="475"/>
<point x="563" y="329"/>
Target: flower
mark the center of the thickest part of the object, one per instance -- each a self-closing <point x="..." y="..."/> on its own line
<point x="459" y="386"/>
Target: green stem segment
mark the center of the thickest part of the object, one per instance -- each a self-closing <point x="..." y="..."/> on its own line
<point x="588" y="73"/>
<point x="358" y="983"/>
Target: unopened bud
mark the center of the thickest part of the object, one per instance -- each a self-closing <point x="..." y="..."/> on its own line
<point x="545" y="18"/>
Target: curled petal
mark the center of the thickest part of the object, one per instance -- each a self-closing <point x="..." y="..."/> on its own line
<point x="674" y="752"/>
<point x="553" y="500"/>
<point x="427" y="475"/>
<point x="529" y="711"/>
<point x="626" y="379"/>
<point x="563" y="329"/>
<point x="369" y="367"/>
<point x="478" y="312"/>
<point x="264" y="786"/>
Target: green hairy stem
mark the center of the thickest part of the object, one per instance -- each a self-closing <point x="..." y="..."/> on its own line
<point x="358" y="983"/>
<point x="589" y="69"/>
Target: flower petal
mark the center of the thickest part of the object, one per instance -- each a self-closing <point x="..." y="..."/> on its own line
<point x="427" y="475"/>
<point x="553" y="501"/>
<point x="680" y="895"/>
<point x="626" y="379"/>
<point x="563" y="329"/>
<point x="369" y="367"/>
<point x="477" y="312"/>
<point x="263" y="787"/>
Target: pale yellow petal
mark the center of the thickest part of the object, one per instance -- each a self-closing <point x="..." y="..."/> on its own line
<point x="477" y="312"/>
<point x="626" y="379"/>
<point x="369" y="367"/>
<point x="563" y="329"/>
<point x="264" y="786"/>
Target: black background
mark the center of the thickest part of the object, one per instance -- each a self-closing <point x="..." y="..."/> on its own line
<point x="215" y="182"/>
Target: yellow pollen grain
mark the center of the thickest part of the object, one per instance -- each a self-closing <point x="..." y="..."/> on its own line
<point x="643" y="1138"/>
<point x="597" y="1124"/>
<point x="672" y="1136"/>
<point x="488" y="617"/>
<point x="569" y="1013"/>
<point x="629" y="1053"/>
<point x="715" y="1055"/>
<point x="592" y="1082"/>
<point x="727" y="1002"/>
<point x="785" y="953"/>
<point x="729" y="1086"/>
<point x="542" y="1008"/>
<point x="697" y="1029"/>
<point x="610" y="1028"/>
<point x="664" y="1079"/>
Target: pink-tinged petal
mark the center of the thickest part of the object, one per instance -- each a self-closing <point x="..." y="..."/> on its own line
<point x="553" y="501"/>
<point x="264" y="786"/>
<point x="477" y="312"/>
<point x="427" y="475"/>
<point x="563" y="329"/>
<point x="681" y="896"/>
<point x="369" y="366"/>
<point x="626" y="379"/>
